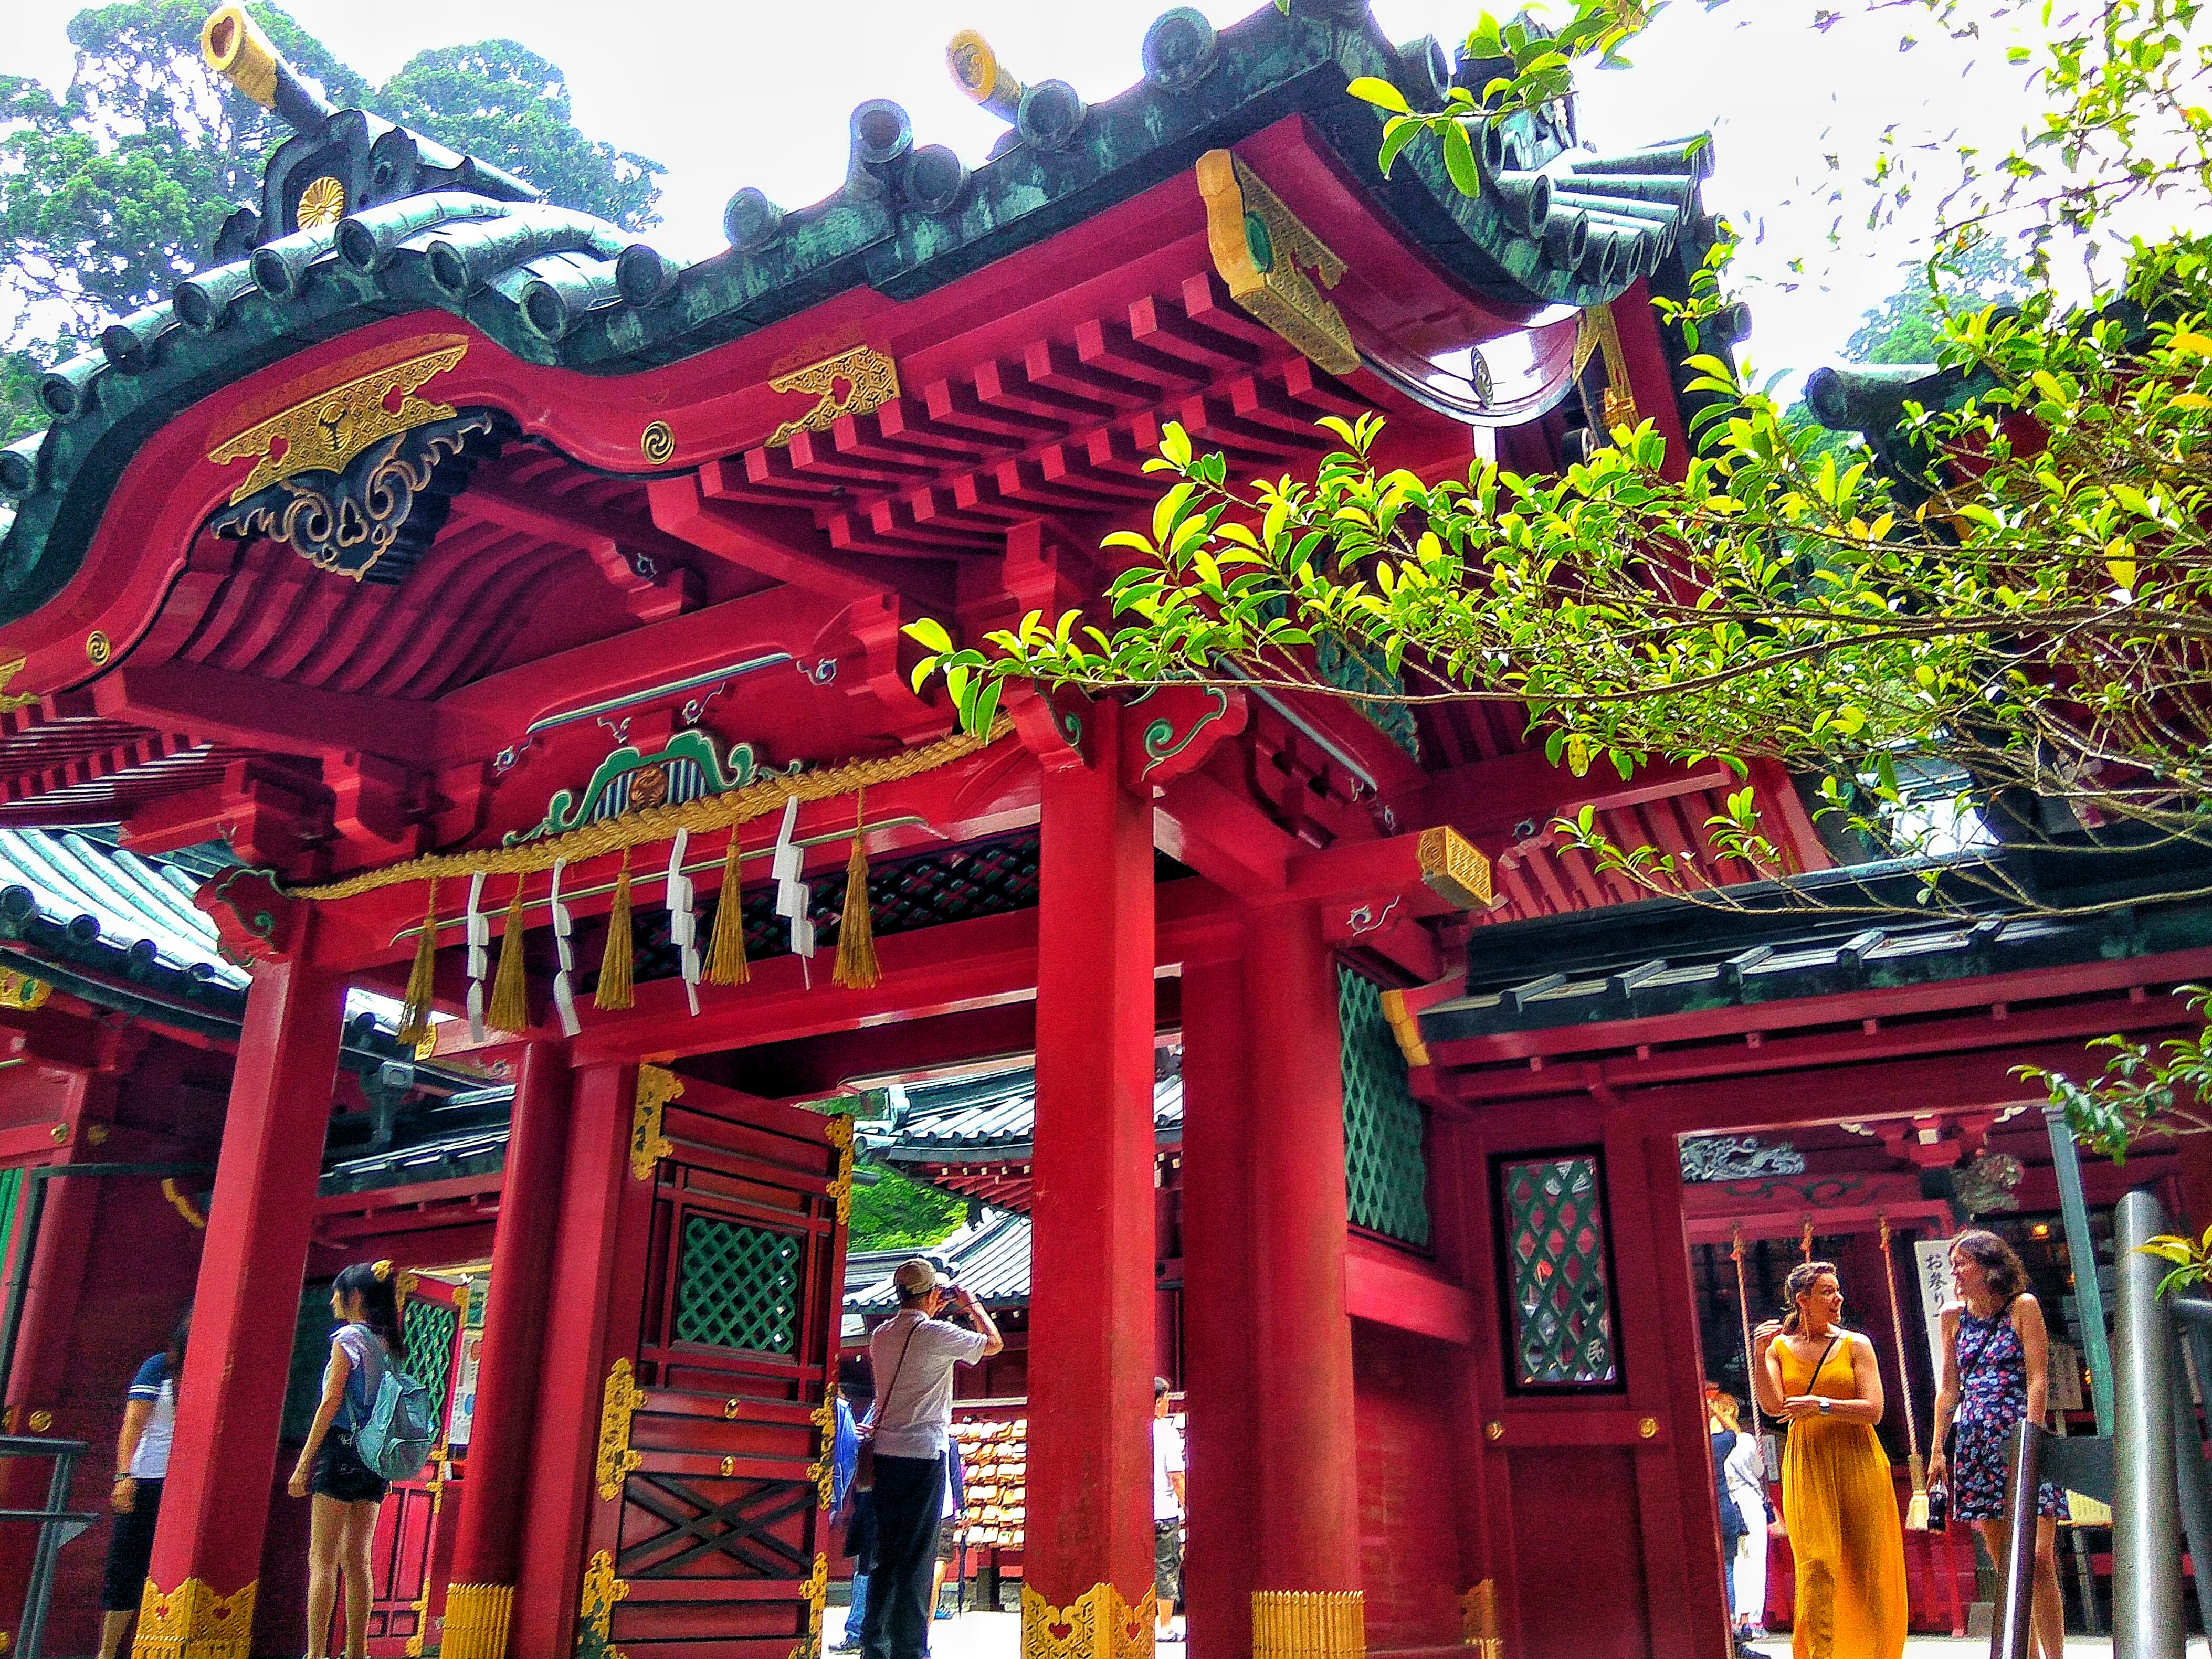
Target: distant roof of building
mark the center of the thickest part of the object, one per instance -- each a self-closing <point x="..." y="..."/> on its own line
<point x="990" y="1257"/>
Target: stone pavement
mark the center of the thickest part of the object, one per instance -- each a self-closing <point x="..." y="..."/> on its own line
<point x="999" y="1636"/>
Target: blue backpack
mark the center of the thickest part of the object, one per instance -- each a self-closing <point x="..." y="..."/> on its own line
<point x="395" y="1441"/>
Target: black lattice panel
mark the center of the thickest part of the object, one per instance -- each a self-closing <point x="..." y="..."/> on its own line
<point x="739" y="1287"/>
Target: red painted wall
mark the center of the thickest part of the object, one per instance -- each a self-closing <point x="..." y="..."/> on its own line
<point x="1409" y="1540"/>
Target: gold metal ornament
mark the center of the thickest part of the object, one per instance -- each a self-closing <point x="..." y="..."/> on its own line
<point x="1453" y="869"/>
<point x="1265" y="253"/>
<point x="657" y="442"/>
<point x="595" y="1611"/>
<point x="193" y="1622"/>
<point x="323" y="202"/>
<point x="870" y="379"/>
<point x="22" y="991"/>
<point x="324" y="433"/>
<point x="97" y="649"/>
<point x="620" y="1400"/>
<point x="656" y="1086"/>
<point x="11" y="700"/>
<point x="1598" y="334"/>
<point x="1097" y="1624"/>
<point x="1479" y="1621"/>
<point x="477" y="1619"/>
<point x="1308" y="1625"/>
<point x="816" y="1593"/>
<point x="825" y="1472"/>
<point x="840" y="1137"/>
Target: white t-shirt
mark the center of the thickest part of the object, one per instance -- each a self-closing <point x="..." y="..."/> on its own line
<point x="913" y="1357"/>
<point x="150" y="1460"/>
<point x="1167" y="1459"/>
<point x="1747" y="1479"/>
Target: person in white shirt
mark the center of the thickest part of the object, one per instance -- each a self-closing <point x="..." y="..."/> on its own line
<point x="142" y="1457"/>
<point x="1168" y="1506"/>
<point x="912" y="1354"/>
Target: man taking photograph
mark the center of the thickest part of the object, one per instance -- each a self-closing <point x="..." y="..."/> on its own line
<point x="912" y="1354"/>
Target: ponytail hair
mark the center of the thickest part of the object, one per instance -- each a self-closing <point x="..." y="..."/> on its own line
<point x="377" y="1286"/>
<point x="1802" y="1278"/>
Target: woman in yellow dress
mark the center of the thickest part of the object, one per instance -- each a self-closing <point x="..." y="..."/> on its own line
<point x="1837" y="1497"/>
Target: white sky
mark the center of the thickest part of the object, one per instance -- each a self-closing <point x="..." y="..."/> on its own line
<point x="733" y="94"/>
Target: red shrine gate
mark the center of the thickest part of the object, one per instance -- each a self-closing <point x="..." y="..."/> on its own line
<point x="522" y="611"/>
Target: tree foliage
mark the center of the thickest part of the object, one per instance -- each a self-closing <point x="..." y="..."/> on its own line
<point x="890" y="1212"/>
<point x="2028" y="617"/>
<point x="113" y="191"/>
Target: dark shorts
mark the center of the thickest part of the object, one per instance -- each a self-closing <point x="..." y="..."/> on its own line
<point x="946" y="1548"/>
<point x="1167" y="1561"/>
<point x="130" y="1551"/>
<point x="340" y="1473"/>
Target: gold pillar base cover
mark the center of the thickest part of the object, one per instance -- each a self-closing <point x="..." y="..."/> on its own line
<point x="1308" y="1625"/>
<point x="478" y="1617"/>
<point x="192" y="1622"/>
<point x="1097" y="1624"/>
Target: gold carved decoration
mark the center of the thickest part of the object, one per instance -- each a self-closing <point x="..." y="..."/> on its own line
<point x="870" y="379"/>
<point x="825" y="1472"/>
<point x="1308" y="1625"/>
<point x="1598" y="334"/>
<point x="22" y="991"/>
<point x="1097" y="1624"/>
<point x="194" y="1217"/>
<point x="656" y="1086"/>
<point x="1264" y="252"/>
<point x="621" y="1399"/>
<point x="11" y="700"/>
<point x="1479" y="1620"/>
<point x="324" y="433"/>
<point x="840" y="1137"/>
<point x="657" y="442"/>
<point x="192" y="1622"/>
<point x="1453" y="869"/>
<point x="98" y="648"/>
<point x="323" y="202"/>
<point x="477" y="1618"/>
<point x="602" y="1590"/>
<point x="815" y="1592"/>
<point x="41" y="1420"/>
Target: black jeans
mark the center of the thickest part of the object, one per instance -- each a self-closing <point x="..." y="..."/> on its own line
<point x="908" y="1494"/>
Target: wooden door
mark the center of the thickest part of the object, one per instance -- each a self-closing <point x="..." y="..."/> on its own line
<point x="713" y="1545"/>
<point x="402" y="1560"/>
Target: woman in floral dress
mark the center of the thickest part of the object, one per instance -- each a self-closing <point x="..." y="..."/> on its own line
<point x="1995" y="1357"/>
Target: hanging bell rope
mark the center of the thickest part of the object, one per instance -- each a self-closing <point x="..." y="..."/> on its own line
<point x="510" y="1004"/>
<point x="1916" y="1512"/>
<point x="615" y="989"/>
<point x="857" y="968"/>
<point x="422" y="979"/>
<point x="1743" y="1313"/>
<point x="725" y="950"/>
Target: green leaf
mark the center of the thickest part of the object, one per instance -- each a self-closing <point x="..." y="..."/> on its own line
<point x="1459" y="160"/>
<point x="929" y="632"/>
<point x="1381" y="94"/>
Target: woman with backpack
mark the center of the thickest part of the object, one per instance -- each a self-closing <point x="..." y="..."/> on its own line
<point x="347" y="1491"/>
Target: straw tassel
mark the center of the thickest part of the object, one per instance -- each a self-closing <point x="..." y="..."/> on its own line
<point x="726" y="951"/>
<point x="857" y="968"/>
<point x="414" y="1018"/>
<point x="616" y="967"/>
<point x="510" y="1002"/>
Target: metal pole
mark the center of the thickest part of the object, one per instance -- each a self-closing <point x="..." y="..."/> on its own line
<point x="2012" y="1636"/>
<point x="2147" y="1606"/>
<point x="2088" y="1293"/>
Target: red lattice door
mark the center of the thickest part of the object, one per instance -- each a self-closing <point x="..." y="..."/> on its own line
<point x="419" y="1513"/>
<point x="716" y="1545"/>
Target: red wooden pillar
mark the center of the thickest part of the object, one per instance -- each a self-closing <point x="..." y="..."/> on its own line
<point x="571" y="1360"/>
<point x="1220" y="1357"/>
<point x="1306" y="1469"/>
<point x="480" y="1599"/>
<point x="200" y="1591"/>
<point x="1090" y="1530"/>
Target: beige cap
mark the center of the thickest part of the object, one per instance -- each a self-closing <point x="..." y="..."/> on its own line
<point x="917" y="1275"/>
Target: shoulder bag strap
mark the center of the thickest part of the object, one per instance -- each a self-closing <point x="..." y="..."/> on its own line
<point x="883" y="1399"/>
<point x="1988" y="1336"/>
<point x="1827" y="1354"/>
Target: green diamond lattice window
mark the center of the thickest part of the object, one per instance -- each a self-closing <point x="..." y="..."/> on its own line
<point x="1386" y="1176"/>
<point x="739" y="1287"/>
<point x="1563" y="1331"/>
<point x="429" y="1329"/>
